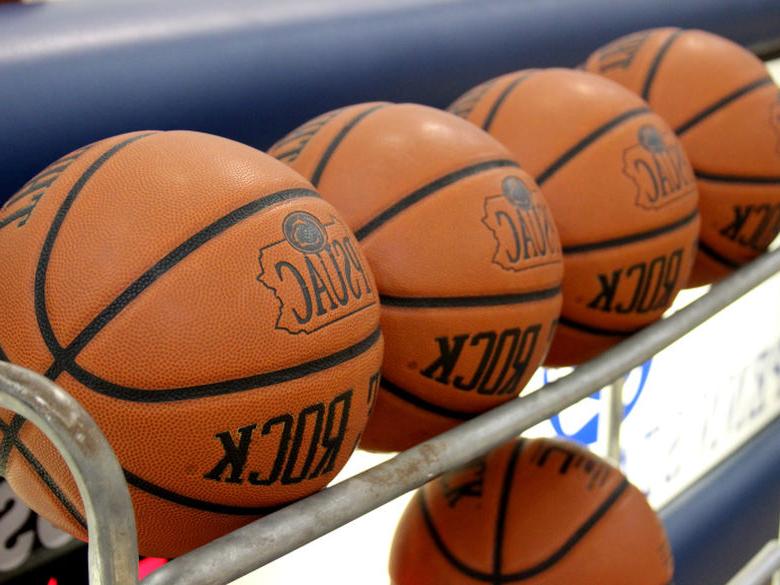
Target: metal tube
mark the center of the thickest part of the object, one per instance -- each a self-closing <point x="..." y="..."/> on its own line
<point x="113" y="551"/>
<point x="265" y="540"/>
<point x="776" y="576"/>
<point x="760" y="568"/>
<point x="610" y="419"/>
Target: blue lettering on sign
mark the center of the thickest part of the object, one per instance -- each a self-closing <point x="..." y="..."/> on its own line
<point x="588" y="432"/>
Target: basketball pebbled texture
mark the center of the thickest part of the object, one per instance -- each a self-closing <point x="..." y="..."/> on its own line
<point x="213" y="314"/>
<point x="620" y="189"/>
<point x="720" y="100"/>
<point x="531" y="512"/>
<point x="465" y="252"/>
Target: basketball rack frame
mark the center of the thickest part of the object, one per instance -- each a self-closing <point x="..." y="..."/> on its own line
<point x="113" y="550"/>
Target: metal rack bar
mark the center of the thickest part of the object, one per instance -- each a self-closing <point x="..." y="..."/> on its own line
<point x="269" y="538"/>
<point x="612" y="417"/>
<point x="761" y="567"/>
<point x="113" y="550"/>
<point x="113" y="553"/>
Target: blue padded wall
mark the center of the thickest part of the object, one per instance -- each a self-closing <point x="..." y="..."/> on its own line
<point x="74" y="72"/>
<point x="727" y="516"/>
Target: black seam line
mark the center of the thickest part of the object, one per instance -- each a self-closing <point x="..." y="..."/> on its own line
<point x="182" y="500"/>
<point x="475" y="301"/>
<point x="148" y="395"/>
<point x="334" y="144"/>
<point x="653" y="69"/>
<point x="595" y="330"/>
<point x="588" y="140"/>
<point x="754" y="179"/>
<point x="43" y="475"/>
<point x="10" y="438"/>
<point x="502" y="98"/>
<point x="442" y="547"/>
<point x="503" y="505"/>
<point x="3" y="356"/>
<point x="572" y="540"/>
<point x="407" y="396"/>
<point x="428" y="190"/>
<point x="41" y="312"/>
<point x="717" y="257"/>
<point x="52" y="485"/>
<point x="540" y="567"/>
<point x="722" y="103"/>
<point x="66" y="356"/>
<point x="623" y="240"/>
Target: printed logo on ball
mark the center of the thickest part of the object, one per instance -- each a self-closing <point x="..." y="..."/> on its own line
<point x="19" y="209"/>
<point x="621" y="53"/>
<point x="316" y="274"/>
<point x="522" y="226"/>
<point x="658" y="168"/>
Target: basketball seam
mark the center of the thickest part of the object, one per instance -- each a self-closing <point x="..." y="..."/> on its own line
<point x="470" y="301"/>
<point x="585" y="142"/>
<point x="577" y="536"/>
<point x="338" y="139"/>
<point x="221" y="388"/>
<point x="722" y="103"/>
<point x="623" y="240"/>
<point x="540" y="567"/>
<point x="714" y="255"/>
<point x="502" y="98"/>
<point x="41" y="313"/>
<point x="503" y="505"/>
<point x="150" y="488"/>
<point x="64" y="358"/>
<point x="572" y="324"/>
<point x="10" y="436"/>
<point x="43" y="475"/>
<point x="755" y="179"/>
<point x="442" y="547"/>
<point x="407" y="396"/>
<point x="3" y="356"/>
<point x="652" y="71"/>
<point x="428" y="190"/>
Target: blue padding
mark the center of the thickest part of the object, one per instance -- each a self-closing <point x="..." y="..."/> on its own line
<point x="74" y="72"/>
<point x="721" y="522"/>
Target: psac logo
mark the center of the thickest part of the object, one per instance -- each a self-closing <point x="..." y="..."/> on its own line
<point x="522" y="226"/>
<point x="316" y="274"/>
<point x="658" y="167"/>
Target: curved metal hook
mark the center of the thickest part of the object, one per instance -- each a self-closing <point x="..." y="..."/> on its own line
<point x="113" y="549"/>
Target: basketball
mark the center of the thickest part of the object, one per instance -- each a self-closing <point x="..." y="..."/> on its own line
<point x="720" y="100"/>
<point x="465" y="252"/>
<point x="212" y="313"/>
<point x="534" y="512"/>
<point x="620" y="189"/>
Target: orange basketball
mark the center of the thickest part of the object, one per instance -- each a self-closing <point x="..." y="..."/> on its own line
<point x="465" y="252"/>
<point x="212" y="313"/>
<point x="720" y="100"/>
<point x="536" y="512"/>
<point x="621" y="191"/>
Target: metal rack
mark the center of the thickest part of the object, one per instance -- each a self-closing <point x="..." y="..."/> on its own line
<point x="113" y="547"/>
